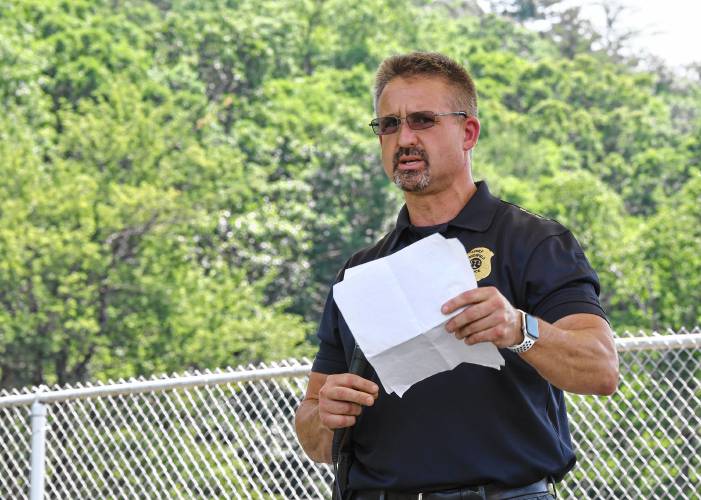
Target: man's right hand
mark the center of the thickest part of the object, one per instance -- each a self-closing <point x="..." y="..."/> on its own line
<point x="342" y="397"/>
<point x="332" y="402"/>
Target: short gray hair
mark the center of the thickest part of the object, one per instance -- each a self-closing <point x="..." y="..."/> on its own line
<point x="429" y="64"/>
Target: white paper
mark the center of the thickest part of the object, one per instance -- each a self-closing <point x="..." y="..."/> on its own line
<point x="392" y="307"/>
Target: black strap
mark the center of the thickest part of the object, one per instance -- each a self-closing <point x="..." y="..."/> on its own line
<point x="341" y="449"/>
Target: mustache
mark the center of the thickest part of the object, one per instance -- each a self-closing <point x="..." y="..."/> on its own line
<point x="409" y="152"/>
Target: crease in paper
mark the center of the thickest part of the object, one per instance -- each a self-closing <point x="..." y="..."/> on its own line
<point x="392" y="307"/>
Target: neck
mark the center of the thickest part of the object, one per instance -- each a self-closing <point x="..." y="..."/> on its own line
<point x="431" y="209"/>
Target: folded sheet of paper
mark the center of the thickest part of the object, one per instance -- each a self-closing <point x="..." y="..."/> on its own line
<point x="393" y="308"/>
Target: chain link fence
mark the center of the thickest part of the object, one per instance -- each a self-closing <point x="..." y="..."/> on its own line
<point x="230" y="434"/>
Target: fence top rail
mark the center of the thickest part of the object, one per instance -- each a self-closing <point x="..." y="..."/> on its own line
<point x="659" y="342"/>
<point x="43" y="394"/>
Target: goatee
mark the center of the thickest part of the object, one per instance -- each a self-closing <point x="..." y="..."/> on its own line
<point x="411" y="181"/>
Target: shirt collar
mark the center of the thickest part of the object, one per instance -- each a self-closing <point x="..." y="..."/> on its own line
<point x="476" y="215"/>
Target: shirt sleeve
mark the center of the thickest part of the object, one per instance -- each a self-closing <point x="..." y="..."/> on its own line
<point x="559" y="280"/>
<point x="330" y="358"/>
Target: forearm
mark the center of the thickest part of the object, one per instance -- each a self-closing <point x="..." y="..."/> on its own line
<point x="576" y="357"/>
<point x="314" y="437"/>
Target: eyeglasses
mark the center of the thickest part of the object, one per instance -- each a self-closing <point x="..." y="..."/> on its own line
<point x="418" y="120"/>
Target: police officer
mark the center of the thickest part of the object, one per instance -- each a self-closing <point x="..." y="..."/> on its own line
<point x="471" y="432"/>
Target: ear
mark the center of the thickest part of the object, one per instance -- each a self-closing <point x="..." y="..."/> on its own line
<point x="472" y="132"/>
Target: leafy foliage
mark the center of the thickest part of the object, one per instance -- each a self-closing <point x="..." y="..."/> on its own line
<point x="183" y="179"/>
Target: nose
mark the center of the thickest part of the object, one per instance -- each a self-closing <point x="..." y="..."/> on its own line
<point x="407" y="136"/>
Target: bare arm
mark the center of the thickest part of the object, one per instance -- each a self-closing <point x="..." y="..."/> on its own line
<point x="576" y="354"/>
<point x="331" y="402"/>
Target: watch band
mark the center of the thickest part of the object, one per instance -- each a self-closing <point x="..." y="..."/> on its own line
<point x="527" y="342"/>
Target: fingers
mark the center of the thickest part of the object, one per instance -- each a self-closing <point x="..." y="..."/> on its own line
<point x="342" y="398"/>
<point x="347" y="394"/>
<point x="334" y="422"/>
<point x="343" y="408"/>
<point x="470" y="315"/>
<point x="499" y="335"/>
<point x="335" y="415"/>
<point x="356" y="382"/>
<point x="469" y="329"/>
<point x="466" y="298"/>
<point x="490" y="318"/>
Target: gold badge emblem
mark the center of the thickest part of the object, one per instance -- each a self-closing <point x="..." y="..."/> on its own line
<point x="481" y="261"/>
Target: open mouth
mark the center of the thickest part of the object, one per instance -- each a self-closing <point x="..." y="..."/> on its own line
<point x="410" y="162"/>
<point x="407" y="159"/>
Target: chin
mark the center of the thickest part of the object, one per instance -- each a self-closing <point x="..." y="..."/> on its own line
<point x="411" y="187"/>
<point x="411" y="183"/>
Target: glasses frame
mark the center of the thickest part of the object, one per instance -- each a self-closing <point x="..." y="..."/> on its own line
<point x="375" y="123"/>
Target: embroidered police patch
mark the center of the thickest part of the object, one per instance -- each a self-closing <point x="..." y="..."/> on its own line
<point x="481" y="261"/>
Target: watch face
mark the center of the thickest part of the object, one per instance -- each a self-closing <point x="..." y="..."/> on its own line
<point x="532" y="326"/>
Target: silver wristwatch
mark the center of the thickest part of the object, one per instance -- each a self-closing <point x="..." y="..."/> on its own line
<point x="529" y="328"/>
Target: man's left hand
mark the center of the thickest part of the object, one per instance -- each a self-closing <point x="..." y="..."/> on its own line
<point x="489" y="317"/>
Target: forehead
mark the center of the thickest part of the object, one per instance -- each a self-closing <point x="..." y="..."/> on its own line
<point x="418" y="93"/>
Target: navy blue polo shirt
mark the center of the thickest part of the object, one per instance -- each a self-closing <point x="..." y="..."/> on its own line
<point x="473" y="425"/>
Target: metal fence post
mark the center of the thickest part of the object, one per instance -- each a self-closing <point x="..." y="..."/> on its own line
<point x="230" y="433"/>
<point x="36" y="486"/>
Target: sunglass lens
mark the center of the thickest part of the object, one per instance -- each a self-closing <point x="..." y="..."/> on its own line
<point x="388" y="124"/>
<point x="421" y="120"/>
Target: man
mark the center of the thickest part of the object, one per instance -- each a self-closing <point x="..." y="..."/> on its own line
<point x="471" y="432"/>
